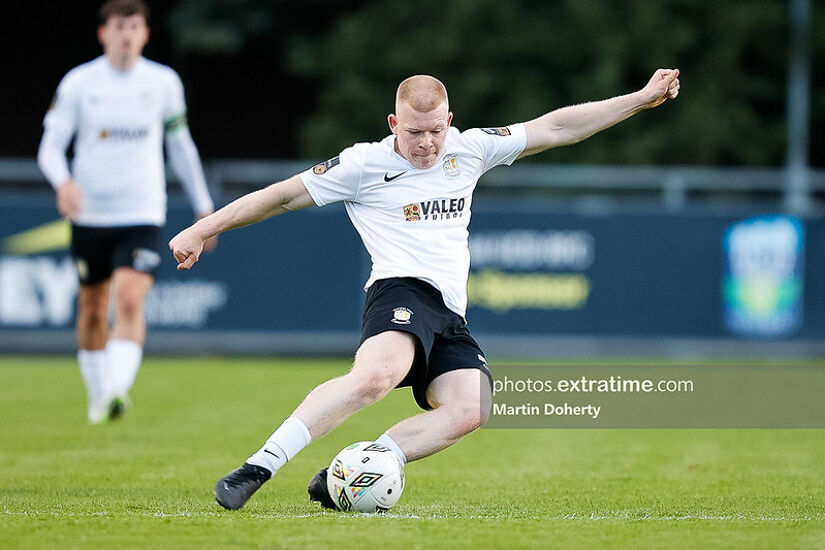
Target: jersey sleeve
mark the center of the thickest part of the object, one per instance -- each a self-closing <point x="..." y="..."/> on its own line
<point x="498" y="146"/>
<point x="174" y="110"/>
<point x="336" y="179"/>
<point x="63" y="114"/>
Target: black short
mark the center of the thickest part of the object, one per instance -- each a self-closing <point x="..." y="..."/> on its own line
<point x="444" y="343"/>
<point x="98" y="251"/>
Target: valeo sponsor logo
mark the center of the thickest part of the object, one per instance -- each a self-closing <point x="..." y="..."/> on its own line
<point x="124" y="134"/>
<point x="435" y="209"/>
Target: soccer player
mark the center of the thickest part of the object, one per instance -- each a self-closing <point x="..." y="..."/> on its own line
<point x="120" y="108"/>
<point x="409" y="197"/>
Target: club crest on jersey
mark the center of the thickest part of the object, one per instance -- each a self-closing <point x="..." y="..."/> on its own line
<point x="401" y="316"/>
<point x="324" y="166"/>
<point x="146" y="98"/>
<point x="412" y="212"/>
<point x="503" y="131"/>
<point x="450" y="166"/>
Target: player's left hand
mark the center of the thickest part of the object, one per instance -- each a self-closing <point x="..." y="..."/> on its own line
<point x="663" y="85"/>
<point x="69" y="199"/>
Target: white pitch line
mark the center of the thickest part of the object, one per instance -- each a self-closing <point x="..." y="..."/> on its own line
<point x="379" y="517"/>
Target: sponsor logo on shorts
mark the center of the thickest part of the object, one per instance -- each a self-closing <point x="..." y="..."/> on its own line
<point x="82" y="268"/>
<point x="401" y="316"/>
<point x="144" y="259"/>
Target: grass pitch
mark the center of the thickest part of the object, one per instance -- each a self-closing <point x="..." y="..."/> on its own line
<point x="146" y="481"/>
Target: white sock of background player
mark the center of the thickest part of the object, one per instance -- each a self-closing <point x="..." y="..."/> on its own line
<point x="124" y="361"/>
<point x="93" y="366"/>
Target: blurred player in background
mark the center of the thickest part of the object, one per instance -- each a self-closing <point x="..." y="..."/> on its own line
<point x="120" y="108"/>
<point x="409" y="197"/>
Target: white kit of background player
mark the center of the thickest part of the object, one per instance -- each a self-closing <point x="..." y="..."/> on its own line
<point x="120" y="118"/>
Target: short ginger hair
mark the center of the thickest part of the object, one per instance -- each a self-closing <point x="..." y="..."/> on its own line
<point x="421" y="92"/>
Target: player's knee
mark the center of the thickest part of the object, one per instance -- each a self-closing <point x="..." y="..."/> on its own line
<point x="92" y="318"/>
<point x="130" y="305"/>
<point x="373" y="384"/>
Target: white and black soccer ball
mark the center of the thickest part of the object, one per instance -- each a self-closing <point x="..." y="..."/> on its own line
<point x="365" y="477"/>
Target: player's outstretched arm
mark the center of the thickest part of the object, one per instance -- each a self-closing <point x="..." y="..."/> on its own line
<point x="278" y="198"/>
<point x="572" y="124"/>
<point x="186" y="163"/>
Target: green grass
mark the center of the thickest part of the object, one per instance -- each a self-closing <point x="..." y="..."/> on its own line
<point x="146" y="481"/>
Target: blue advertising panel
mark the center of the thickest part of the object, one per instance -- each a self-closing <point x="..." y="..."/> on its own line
<point x="294" y="273"/>
<point x="534" y="273"/>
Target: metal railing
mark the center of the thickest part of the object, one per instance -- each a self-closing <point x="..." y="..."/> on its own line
<point x="672" y="185"/>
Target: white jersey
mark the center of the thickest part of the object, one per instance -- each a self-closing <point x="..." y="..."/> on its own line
<point x="117" y="117"/>
<point x="414" y="222"/>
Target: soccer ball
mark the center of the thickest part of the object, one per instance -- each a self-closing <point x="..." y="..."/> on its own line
<point x="365" y="477"/>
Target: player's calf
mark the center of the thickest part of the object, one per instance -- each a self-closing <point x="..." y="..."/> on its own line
<point x="466" y="418"/>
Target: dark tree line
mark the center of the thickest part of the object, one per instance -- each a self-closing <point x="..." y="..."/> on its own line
<point x="288" y="79"/>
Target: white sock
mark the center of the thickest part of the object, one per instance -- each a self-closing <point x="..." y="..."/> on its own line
<point x="388" y="442"/>
<point x="92" y="369"/>
<point x="282" y="445"/>
<point x="124" y="362"/>
<point x="93" y="366"/>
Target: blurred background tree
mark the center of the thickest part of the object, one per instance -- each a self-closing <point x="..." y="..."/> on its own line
<point x="305" y="78"/>
<point x="512" y="61"/>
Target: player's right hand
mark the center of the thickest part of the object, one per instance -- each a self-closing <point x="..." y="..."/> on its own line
<point x="186" y="247"/>
<point x="69" y="196"/>
<point x="663" y="85"/>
